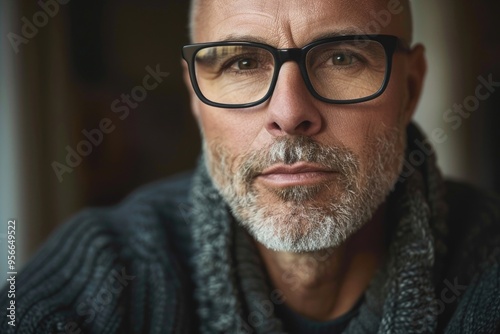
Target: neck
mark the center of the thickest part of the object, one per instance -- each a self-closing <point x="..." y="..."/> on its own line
<point x="326" y="284"/>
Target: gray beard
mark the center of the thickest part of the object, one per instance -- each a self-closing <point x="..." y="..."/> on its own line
<point x="307" y="218"/>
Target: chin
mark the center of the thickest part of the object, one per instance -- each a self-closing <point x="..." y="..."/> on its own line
<point x="323" y="221"/>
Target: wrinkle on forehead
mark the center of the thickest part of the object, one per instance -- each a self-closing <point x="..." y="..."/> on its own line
<point x="287" y="20"/>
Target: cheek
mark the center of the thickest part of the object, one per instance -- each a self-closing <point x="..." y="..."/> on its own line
<point x="356" y="125"/>
<point x="236" y="129"/>
<point x="396" y="95"/>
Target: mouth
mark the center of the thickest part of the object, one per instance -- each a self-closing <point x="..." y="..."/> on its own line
<point x="298" y="174"/>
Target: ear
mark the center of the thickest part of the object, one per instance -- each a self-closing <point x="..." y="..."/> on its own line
<point x="417" y="68"/>
<point x="192" y="95"/>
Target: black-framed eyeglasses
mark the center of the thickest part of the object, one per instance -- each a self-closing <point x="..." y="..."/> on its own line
<point x="341" y="70"/>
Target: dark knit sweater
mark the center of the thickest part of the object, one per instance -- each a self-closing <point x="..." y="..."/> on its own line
<point x="138" y="267"/>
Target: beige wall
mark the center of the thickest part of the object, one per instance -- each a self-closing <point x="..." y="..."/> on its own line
<point x="462" y="40"/>
<point x="435" y="27"/>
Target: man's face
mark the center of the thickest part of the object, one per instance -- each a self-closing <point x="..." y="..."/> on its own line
<point x="298" y="173"/>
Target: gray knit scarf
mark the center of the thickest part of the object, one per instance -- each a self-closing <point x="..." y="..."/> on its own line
<point x="233" y="292"/>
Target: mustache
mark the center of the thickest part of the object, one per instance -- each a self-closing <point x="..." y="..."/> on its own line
<point x="291" y="150"/>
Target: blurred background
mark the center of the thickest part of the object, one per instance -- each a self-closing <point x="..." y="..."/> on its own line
<point x="63" y="72"/>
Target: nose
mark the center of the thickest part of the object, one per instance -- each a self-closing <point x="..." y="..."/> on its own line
<point x="292" y="110"/>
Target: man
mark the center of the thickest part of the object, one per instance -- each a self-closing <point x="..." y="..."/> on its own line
<point x="300" y="217"/>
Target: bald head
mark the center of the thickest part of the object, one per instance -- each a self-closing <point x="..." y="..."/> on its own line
<point x="384" y="13"/>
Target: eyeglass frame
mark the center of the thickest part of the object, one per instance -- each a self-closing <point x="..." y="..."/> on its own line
<point x="390" y="44"/>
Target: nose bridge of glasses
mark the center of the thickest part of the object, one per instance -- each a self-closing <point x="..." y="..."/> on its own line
<point x="295" y="55"/>
<point x="285" y="55"/>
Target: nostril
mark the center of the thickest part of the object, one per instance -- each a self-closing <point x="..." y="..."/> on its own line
<point x="304" y="125"/>
<point x="275" y="126"/>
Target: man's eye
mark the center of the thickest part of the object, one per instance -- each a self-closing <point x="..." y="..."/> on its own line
<point x="343" y="59"/>
<point x="246" y="64"/>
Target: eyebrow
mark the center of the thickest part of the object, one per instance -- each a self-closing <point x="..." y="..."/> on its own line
<point x="243" y="38"/>
<point x="257" y="39"/>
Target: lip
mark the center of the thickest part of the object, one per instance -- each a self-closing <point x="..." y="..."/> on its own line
<point x="297" y="174"/>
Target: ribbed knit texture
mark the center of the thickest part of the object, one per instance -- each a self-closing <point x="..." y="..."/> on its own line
<point x="74" y="281"/>
<point x="171" y="259"/>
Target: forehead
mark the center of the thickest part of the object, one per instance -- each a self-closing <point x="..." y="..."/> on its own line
<point x="294" y="23"/>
